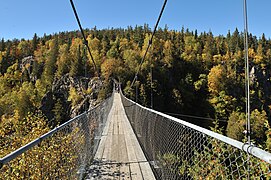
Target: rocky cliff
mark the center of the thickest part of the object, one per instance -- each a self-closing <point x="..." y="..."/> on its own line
<point x="59" y="101"/>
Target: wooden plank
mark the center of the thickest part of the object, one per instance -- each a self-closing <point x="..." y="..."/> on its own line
<point x="146" y="171"/>
<point x="121" y="131"/>
<point x="100" y="150"/>
<point x="105" y="166"/>
<point x="134" y="143"/>
<point x="107" y="171"/>
<point x="119" y="154"/>
<point x="116" y="125"/>
<point x="130" y="148"/>
<point x="135" y="171"/>
<point x="109" y="167"/>
<point x="106" y="127"/>
<point x="102" y="142"/>
<point x="107" y="150"/>
<point x="110" y="127"/>
<point x="138" y="151"/>
<point x="114" y="149"/>
<point x="108" y="122"/>
<point x="123" y="156"/>
<point x="132" y="159"/>
<point x="125" y="171"/>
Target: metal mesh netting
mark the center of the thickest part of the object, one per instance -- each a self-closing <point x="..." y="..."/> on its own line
<point x="180" y="150"/>
<point x="62" y="153"/>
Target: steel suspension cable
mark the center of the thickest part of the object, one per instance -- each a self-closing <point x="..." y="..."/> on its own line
<point x="84" y="37"/>
<point x="247" y="72"/>
<point x="248" y="129"/>
<point x="150" y="42"/>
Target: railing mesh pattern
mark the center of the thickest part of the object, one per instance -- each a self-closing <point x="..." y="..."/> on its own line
<point x="62" y="153"/>
<point x="180" y="150"/>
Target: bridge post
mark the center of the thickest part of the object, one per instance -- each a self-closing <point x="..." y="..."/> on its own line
<point x="136" y="84"/>
<point x="114" y="86"/>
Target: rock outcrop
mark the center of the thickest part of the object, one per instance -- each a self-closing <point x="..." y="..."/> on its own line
<point x="86" y="88"/>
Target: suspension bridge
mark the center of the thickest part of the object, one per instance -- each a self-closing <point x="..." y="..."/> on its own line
<point x="120" y="139"/>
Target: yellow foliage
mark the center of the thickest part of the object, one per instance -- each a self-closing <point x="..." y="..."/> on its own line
<point x="40" y="54"/>
<point x="215" y="78"/>
<point x="124" y="44"/>
<point x="177" y="96"/>
<point x="18" y="132"/>
<point x="111" y="67"/>
<point x="258" y="59"/>
<point x="251" y="53"/>
<point x="217" y="58"/>
<point x="54" y="157"/>
<point x="227" y="56"/>
<point x="88" y="91"/>
<point x="204" y="56"/>
<point x="94" y="44"/>
<point x="74" y="97"/>
<point x="74" y="47"/>
<point x="168" y="52"/>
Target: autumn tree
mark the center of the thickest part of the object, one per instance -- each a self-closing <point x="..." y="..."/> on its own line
<point x="63" y="61"/>
<point x="76" y="64"/>
<point x="111" y="68"/>
<point x="76" y="68"/>
<point x="190" y="69"/>
<point x="168" y="53"/>
<point x="59" y="113"/>
<point x="50" y="63"/>
<point x="237" y="126"/>
<point x="24" y="48"/>
<point x="216" y="77"/>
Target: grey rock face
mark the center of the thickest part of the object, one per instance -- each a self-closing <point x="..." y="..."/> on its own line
<point x="86" y="88"/>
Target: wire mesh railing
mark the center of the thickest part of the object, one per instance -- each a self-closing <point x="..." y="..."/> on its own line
<point x="180" y="150"/>
<point x="62" y="153"/>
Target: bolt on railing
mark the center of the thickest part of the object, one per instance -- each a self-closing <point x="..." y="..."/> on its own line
<point x="180" y="150"/>
<point x="62" y="153"/>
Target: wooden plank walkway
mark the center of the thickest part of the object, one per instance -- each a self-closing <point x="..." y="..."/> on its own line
<point x="119" y="155"/>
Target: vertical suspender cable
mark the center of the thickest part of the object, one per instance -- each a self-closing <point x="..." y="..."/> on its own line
<point x="151" y="86"/>
<point x="247" y="84"/>
<point x="136" y="89"/>
<point x="151" y="73"/>
<point x="247" y="73"/>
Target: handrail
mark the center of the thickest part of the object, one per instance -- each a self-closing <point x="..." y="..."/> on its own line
<point x="37" y="141"/>
<point x="255" y="151"/>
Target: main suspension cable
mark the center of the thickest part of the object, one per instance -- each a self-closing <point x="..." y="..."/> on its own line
<point x="150" y="42"/>
<point x="84" y="37"/>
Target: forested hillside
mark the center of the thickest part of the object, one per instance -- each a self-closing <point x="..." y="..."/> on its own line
<point x="193" y="73"/>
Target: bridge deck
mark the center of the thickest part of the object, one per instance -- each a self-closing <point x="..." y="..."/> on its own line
<point x="119" y="155"/>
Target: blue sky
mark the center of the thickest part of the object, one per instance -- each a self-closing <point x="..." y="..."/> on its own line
<point x="21" y="19"/>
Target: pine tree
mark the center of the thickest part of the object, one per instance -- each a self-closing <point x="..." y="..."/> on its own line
<point x="58" y="113"/>
<point x="34" y="43"/>
<point x="105" y="45"/>
<point x="77" y="64"/>
<point x="50" y="64"/>
<point x="2" y="45"/>
<point x="63" y="61"/>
